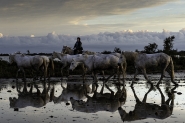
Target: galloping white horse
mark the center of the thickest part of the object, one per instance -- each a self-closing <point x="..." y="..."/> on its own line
<point x="66" y="60"/>
<point x="69" y="50"/>
<point x="99" y="62"/>
<point x="142" y="61"/>
<point x="24" y="61"/>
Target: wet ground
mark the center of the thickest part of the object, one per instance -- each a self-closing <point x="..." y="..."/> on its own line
<point x="69" y="100"/>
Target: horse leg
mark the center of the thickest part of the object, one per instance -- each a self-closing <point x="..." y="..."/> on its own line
<point x="164" y="66"/>
<point x="36" y="70"/>
<point x="137" y="99"/>
<point x="31" y="89"/>
<point x="146" y="77"/>
<point x="145" y="96"/>
<point x="103" y="74"/>
<point x="24" y="76"/>
<point x="118" y="72"/>
<point x="38" y="91"/>
<point x="84" y="72"/>
<point x="17" y="74"/>
<point x="171" y="73"/>
<point x="112" y="92"/>
<point x="95" y="77"/>
<point x="46" y="71"/>
<point x="61" y="70"/>
<point x="133" y="81"/>
<point x="162" y="96"/>
<point x="101" y="92"/>
<point x="123" y="70"/>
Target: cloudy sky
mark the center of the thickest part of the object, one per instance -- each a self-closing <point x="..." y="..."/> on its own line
<point x="45" y="25"/>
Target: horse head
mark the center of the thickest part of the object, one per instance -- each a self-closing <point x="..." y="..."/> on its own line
<point x="122" y="60"/>
<point x="73" y="65"/>
<point x="67" y="50"/>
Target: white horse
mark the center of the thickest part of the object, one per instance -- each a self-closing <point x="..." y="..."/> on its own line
<point x="98" y="62"/>
<point x="142" y="61"/>
<point x="24" y="61"/>
<point x="66" y="60"/>
<point x="69" y="50"/>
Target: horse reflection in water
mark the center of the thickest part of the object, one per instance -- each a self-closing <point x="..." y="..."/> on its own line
<point x="76" y="91"/>
<point x="26" y="96"/>
<point x="143" y="110"/>
<point x="101" y="101"/>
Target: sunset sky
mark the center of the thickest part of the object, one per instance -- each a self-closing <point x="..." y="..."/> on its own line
<point x="28" y="24"/>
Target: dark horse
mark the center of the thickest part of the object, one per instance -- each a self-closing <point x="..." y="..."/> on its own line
<point x="70" y="51"/>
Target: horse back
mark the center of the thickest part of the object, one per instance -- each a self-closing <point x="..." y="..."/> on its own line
<point x="105" y="61"/>
<point x="152" y="59"/>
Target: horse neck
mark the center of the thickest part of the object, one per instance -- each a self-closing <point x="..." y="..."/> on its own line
<point x="88" y="61"/>
<point x="56" y="55"/>
<point x="69" y="51"/>
<point x="69" y="58"/>
<point x="63" y="57"/>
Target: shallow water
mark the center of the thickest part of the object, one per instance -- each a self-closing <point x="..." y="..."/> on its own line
<point x="53" y="103"/>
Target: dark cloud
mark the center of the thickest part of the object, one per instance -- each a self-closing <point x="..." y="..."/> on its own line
<point x="26" y="17"/>
<point x="72" y="8"/>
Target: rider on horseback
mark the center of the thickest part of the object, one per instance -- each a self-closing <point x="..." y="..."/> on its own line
<point x="78" y="46"/>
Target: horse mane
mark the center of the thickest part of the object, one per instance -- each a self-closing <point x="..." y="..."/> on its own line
<point x="129" y="55"/>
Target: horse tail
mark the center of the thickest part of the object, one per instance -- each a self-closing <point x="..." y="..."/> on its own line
<point x="172" y="69"/>
<point x="51" y="64"/>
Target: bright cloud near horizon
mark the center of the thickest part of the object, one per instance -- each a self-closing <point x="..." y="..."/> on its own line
<point x="44" y="26"/>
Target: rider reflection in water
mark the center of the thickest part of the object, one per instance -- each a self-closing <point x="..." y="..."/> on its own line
<point x="78" y="46"/>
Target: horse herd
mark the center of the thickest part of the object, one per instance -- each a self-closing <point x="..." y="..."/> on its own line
<point x="92" y="61"/>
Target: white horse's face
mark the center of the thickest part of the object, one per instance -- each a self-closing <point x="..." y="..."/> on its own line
<point x="73" y="65"/>
<point x="121" y="60"/>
